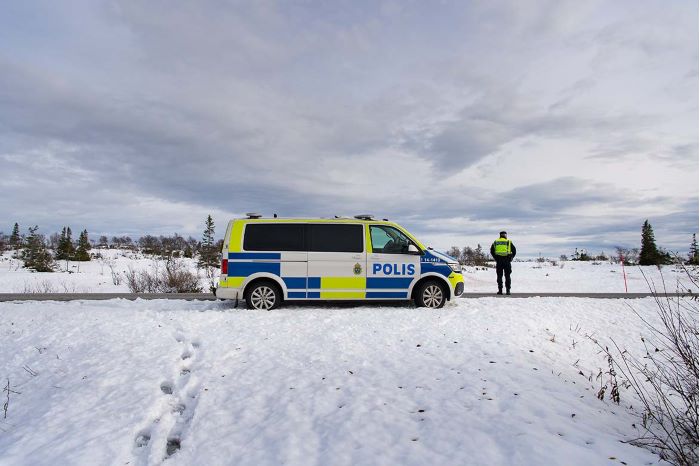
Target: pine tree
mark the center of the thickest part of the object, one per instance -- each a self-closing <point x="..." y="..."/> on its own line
<point x="649" y="254"/>
<point x="81" y="253"/>
<point x="65" y="249"/>
<point x="208" y="255"/>
<point x="35" y="255"/>
<point x="15" y="238"/>
<point x="693" y="254"/>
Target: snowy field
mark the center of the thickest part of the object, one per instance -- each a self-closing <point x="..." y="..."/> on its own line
<point x="105" y="275"/>
<point x="480" y="382"/>
<point x="98" y="276"/>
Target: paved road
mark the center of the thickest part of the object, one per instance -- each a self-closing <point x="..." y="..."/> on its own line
<point x="211" y="297"/>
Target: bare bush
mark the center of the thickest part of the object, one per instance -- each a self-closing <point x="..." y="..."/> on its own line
<point x="175" y="277"/>
<point x="43" y="286"/>
<point x="665" y="377"/>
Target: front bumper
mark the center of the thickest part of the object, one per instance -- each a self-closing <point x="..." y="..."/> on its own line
<point x="457" y="283"/>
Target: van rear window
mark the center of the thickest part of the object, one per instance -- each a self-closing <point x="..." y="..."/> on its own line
<point x="274" y="237"/>
<point x="335" y="238"/>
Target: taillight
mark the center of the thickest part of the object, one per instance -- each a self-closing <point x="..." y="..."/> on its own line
<point x="224" y="266"/>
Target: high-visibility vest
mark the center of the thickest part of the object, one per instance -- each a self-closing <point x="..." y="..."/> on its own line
<point x="502" y="247"/>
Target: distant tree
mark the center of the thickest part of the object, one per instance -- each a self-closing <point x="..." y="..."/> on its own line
<point x="601" y="256"/>
<point x="127" y="242"/>
<point x="467" y="256"/>
<point x="480" y="257"/>
<point x="563" y="258"/>
<point x="65" y="249"/>
<point x="627" y="255"/>
<point x="581" y="255"/>
<point x="104" y="242"/>
<point x="15" y="238"/>
<point x="208" y="255"/>
<point x="35" y="255"/>
<point x="455" y="253"/>
<point x="82" y="253"/>
<point x="649" y="253"/>
<point x="150" y="244"/>
<point x="693" y="254"/>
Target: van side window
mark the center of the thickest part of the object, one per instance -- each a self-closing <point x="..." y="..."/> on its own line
<point x="274" y="237"/>
<point x="335" y="237"/>
<point x="388" y="240"/>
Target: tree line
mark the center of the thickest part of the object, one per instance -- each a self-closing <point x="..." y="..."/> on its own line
<point x="648" y="254"/>
<point x="40" y="253"/>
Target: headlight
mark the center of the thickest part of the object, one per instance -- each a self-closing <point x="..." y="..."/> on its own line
<point x="455" y="267"/>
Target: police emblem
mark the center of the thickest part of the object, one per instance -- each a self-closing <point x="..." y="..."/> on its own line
<point x="357" y="269"/>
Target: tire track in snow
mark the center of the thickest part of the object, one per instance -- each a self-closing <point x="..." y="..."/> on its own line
<point x="169" y="418"/>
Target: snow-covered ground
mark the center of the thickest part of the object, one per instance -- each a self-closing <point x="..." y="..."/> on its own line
<point x="482" y="381"/>
<point x="98" y="276"/>
<point x="578" y="277"/>
<point x="103" y="275"/>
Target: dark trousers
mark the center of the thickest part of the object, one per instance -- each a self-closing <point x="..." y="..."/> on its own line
<point x="503" y="266"/>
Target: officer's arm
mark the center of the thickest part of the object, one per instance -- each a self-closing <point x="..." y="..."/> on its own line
<point x="512" y="251"/>
<point x="493" y="250"/>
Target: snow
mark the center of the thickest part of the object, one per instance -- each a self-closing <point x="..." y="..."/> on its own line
<point x="95" y="276"/>
<point x="577" y="277"/>
<point x="482" y="381"/>
<point x="568" y="276"/>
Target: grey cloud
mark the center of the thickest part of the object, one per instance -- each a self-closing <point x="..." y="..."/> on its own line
<point x="249" y="106"/>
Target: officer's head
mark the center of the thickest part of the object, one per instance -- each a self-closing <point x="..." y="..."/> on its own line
<point x="503" y="234"/>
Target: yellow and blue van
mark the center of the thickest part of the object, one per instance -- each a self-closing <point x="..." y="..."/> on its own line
<point x="270" y="260"/>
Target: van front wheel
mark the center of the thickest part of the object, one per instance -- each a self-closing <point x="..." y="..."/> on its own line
<point x="263" y="296"/>
<point x="431" y="294"/>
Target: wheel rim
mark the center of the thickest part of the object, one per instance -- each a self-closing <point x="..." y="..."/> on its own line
<point x="263" y="297"/>
<point x="432" y="296"/>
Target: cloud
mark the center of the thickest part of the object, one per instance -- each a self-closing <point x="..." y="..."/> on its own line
<point x="452" y="118"/>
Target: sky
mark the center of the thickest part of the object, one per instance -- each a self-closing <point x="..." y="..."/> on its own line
<point x="566" y="123"/>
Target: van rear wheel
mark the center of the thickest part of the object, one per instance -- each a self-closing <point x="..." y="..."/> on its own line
<point x="431" y="294"/>
<point x="263" y="296"/>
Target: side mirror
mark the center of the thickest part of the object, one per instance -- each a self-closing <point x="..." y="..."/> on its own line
<point x="412" y="249"/>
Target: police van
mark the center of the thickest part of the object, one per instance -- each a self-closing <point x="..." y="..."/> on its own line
<point x="270" y="260"/>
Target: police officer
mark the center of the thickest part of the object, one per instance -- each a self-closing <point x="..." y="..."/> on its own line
<point x="503" y="251"/>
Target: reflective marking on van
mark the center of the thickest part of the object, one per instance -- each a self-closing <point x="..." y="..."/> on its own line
<point x="386" y="295"/>
<point x="244" y="269"/>
<point x="388" y="282"/>
<point x="314" y="283"/>
<point x="342" y="283"/>
<point x="342" y="295"/>
<point x="295" y="283"/>
<point x="254" y="255"/>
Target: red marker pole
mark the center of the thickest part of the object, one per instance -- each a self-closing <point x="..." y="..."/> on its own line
<point x="622" y="261"/>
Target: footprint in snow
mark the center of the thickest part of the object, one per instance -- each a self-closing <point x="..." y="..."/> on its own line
<point x="172" y="446"/>
<point x="142" y="439"/>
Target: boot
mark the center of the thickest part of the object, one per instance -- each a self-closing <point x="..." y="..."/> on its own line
<point x="500" y="291"/>
<point x="507" y="290"/>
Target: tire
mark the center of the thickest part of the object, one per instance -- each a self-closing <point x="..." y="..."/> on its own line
<point x="431" y="294"/>
<point x="263" y="296"/>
